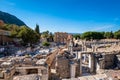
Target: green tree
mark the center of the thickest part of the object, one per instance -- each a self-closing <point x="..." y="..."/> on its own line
<point x="109" y="35"/>
<point x="14" y="34"/>
<point x="92" y="35"/>
<point x="28" y="35"/>
<point x="37" y="29"/>
<point x="77" y="36"/>
<point x="51" y="36"/>
<point x="14" y="31"/>
<point x="45" y="34"/>
<point x="117" y="34"/>
<point x="46" y="44"/>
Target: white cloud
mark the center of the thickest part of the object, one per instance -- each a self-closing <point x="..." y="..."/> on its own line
<point x="105" y="27"/>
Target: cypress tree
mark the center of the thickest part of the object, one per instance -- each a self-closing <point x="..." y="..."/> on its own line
<point x="37" y="29"/>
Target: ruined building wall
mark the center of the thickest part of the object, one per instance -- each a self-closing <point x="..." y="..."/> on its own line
<point x="107" y="61"/>
<point x="77" y="69"/>
<point x="60" y="37"/>
<point x="63" y="68"/>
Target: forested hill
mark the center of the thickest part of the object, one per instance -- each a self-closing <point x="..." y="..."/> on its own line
<point x="10" y="19"/>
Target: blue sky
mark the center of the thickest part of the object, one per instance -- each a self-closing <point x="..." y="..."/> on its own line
<point x="74" y="16"/>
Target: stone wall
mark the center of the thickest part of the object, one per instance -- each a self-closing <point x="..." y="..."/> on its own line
<point x="63" y="68"/>
<point x="107" y="61"/>
<point x="60" y="37"/>
<point x="5" y="39"/>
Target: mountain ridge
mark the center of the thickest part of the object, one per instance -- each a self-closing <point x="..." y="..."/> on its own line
<point x="10" y="19"/>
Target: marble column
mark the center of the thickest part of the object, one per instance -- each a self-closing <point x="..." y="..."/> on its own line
<point x="73" y="70"/>
<point x="71" y="52"/>
<point x="80" y="63"/>
<point x="82" y="46"/>
<point x="91" y="62"/>
<point x="93" y="48"/>
<point x="97" y="66"/>
<point x="84" y="60"/>
<point x="77" y="55"/>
